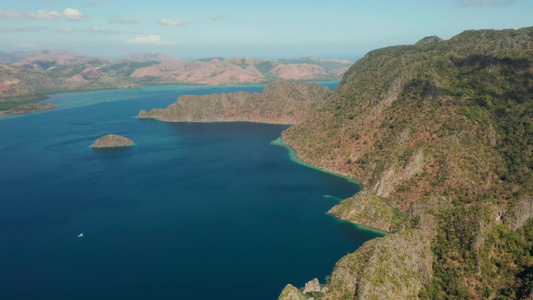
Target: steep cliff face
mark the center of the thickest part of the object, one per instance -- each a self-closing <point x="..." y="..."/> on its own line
<point x="281" y="102"/>
<point x="397" y="266"/>
<point x="444" y="131"/>
<point x="291" y="293"/>
<point x="410" y="120"/>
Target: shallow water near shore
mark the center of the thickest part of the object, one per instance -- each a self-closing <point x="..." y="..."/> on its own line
<point x="192" y="211"/>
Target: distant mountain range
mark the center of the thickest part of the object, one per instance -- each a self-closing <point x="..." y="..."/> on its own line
<point x="27" y="76"/>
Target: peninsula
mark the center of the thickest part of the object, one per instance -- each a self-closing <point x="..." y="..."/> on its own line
<point x="280" y="103"/>
<point x="27" y="108"/>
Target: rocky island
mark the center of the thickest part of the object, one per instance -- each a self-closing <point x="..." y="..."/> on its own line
<point x="112" y="141"/>
<point x="280" y="103"/>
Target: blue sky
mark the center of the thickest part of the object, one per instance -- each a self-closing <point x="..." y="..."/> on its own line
<point x="344" y="29"/>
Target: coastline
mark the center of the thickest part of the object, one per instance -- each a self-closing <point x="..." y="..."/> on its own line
<point x="212" y="122"/>
<point x="293" y="154"/>
<point x="40" y="97"/>
<point x="361" y="227"/>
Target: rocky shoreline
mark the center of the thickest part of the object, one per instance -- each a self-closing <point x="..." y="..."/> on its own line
<point x="28" y="108"/>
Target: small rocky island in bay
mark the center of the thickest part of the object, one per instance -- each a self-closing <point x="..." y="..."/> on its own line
<point x="112" y="141"/>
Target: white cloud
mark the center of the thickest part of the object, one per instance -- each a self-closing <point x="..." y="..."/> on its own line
<point x="97" y="3"/>
<point x="151" y="39"/>
<point x="10" y="28"/>
<point x="172" y="22"/>
<point x="117" y="19"/>
<point x="487" y="2"/>
<point x="26" y="45"/>
<point x="218" y="17"/>
<point x="72" y="14"/>
<point x="103" y="31"/>
<point x="40" y="15"/>
<point x="47" y="15"/>
<point x="65" y="30"/>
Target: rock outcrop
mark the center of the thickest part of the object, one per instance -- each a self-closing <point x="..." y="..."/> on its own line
<point x="291" y="293"/>
<point x="519" y="212"/>
<point x="280" y="103"/>
<point x="312" y="286"/>
<point x="112" y="141"/>
<point x="397" y="266"/>
<point x="365" y="209"/>
<point x="422" y="215"/>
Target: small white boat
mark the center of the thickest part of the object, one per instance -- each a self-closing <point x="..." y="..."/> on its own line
<point x="80" y="235"/>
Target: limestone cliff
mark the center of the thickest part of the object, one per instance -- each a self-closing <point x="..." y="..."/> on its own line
<point x="519" y="212"/>
<point x="281" y="102"/>
<point x="442" y="130"/>
<point x="397" y="266"/>
<point x="291" y="293"/>
<point x="412" y="120"/>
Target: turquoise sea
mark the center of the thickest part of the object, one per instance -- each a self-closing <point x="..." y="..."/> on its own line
<point x="192" y="211"/>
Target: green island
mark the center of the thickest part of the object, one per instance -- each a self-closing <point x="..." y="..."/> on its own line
<point x="112" y="141"/>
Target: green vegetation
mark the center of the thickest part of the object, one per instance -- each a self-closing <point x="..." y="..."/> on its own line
<point x="280" y="103"/>
<point x="499" y="268"/>
<point x="449" y="120"/>
<point x="368" y="210"/>
<point x="26" y="108"/>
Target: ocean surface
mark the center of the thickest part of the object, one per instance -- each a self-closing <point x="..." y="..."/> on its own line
<point x="192" y="211"/>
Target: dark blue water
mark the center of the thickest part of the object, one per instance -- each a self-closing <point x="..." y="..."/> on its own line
<point x="192" y="211"/>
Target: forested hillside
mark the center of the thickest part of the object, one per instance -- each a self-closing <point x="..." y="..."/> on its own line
<point x="442" y="130"/>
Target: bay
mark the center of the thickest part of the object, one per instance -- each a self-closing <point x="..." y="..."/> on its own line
<point x="192" y="211"/>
